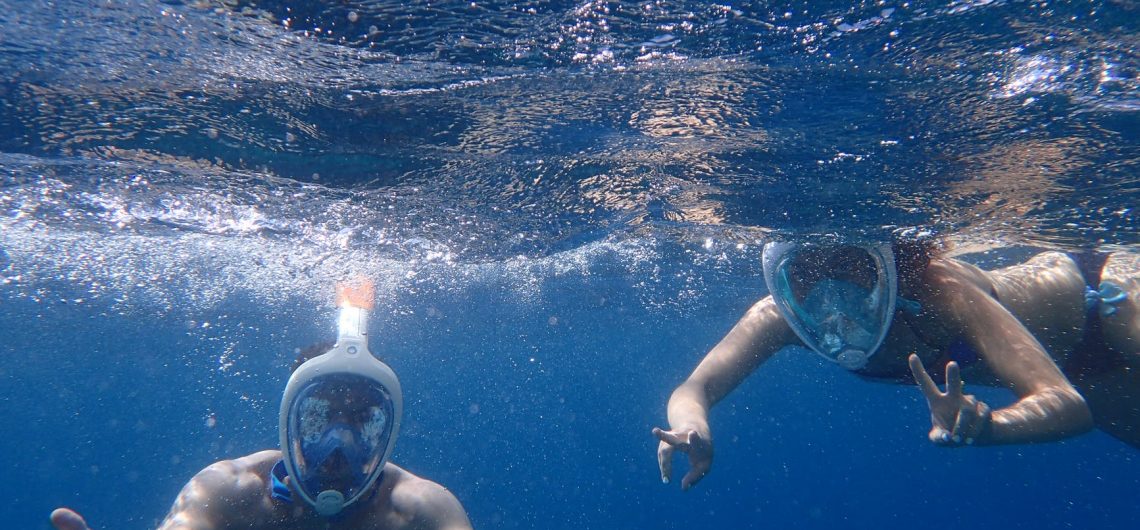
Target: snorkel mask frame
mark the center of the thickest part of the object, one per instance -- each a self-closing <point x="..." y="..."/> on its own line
<point x="776" y="253"/>
<point x="350" y="356"/>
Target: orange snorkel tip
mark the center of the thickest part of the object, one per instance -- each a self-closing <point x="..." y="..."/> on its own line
<point x="359" y="292"/>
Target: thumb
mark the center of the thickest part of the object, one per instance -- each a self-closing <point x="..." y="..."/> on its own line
<point x="66" y="519"/>
<point x="665" y="461"/>
<point x="671" y="438"/>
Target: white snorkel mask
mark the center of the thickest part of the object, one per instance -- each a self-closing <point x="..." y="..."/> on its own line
<point x="340" y="416"/>
<point x="838" y="299"/>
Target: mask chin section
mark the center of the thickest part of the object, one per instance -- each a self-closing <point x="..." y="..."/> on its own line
<point x="852" y="359"/>
<point x="329" y="502"/>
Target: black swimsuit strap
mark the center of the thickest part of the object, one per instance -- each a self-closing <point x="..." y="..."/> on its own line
<point x="1091" y="264"/>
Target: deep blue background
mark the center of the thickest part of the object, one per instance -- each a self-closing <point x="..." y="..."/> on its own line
<point x="536" y="413"/>
<point x="563" y="204"/>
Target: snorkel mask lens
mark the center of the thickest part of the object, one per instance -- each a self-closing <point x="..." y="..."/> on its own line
<point x="338" y="435"/>
<point x="839" y="300"/>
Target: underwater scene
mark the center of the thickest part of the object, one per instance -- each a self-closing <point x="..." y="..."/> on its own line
<point x="562" y="208"/>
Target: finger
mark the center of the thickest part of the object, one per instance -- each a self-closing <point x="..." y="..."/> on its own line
<point x="671" y="438"/>
<point x="695" y="474"/>
<point x="953" y="381"/>
<point x="665" y="461"/>
<point x="65" y="519"/>
<point x="981" y="417"/>
<point x="961" y="423"/>
<point x="974" y="418"/>
<point x="929" y="389"/>
<point x="939" y="436"/>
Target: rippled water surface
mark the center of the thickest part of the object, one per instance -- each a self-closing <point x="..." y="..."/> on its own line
<point x="542" y="190"/>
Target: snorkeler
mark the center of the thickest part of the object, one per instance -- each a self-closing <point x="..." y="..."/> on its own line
<point x="339" y="419"/>
<point x="1043" y="328"/>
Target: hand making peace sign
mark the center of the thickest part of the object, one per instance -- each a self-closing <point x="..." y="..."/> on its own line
<point x="957" y="419"/>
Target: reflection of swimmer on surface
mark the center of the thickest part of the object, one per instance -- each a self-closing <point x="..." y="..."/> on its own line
<point x="1043" y="328"/>
<point x="340" y="416"/>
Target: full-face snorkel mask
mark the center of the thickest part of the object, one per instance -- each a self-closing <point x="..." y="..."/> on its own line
<point x="340" y="416"/>
<point x="838" y="299"/>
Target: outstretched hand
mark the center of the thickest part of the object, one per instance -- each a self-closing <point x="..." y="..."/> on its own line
<point x="67" y="519"/>
<point x="956" y="418"/>
<point x="699" y="449"/>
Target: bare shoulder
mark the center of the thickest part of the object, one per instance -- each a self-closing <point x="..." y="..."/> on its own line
<point x="246" y="474"/>
<point x="1043" y="274"/>
<point x="224" y="493"/>
<point x="428" y="504"/>
<point x="950" y="272"/>
<point x="946" y="288"/>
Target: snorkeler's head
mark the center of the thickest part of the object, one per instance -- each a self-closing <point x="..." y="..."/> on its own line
<point x="837" y="297"/>
<point x="339" y="418"/>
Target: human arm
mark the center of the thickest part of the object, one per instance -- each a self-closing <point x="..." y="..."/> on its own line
<point x="1048" y="407"/>
<point x="755" y="337"/>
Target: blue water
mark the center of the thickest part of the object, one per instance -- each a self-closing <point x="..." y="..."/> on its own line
<point x="562" y="205"/>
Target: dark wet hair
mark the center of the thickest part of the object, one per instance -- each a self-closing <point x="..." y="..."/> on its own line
<point x="309" y="352"/>
<point x="914" y="250"/>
